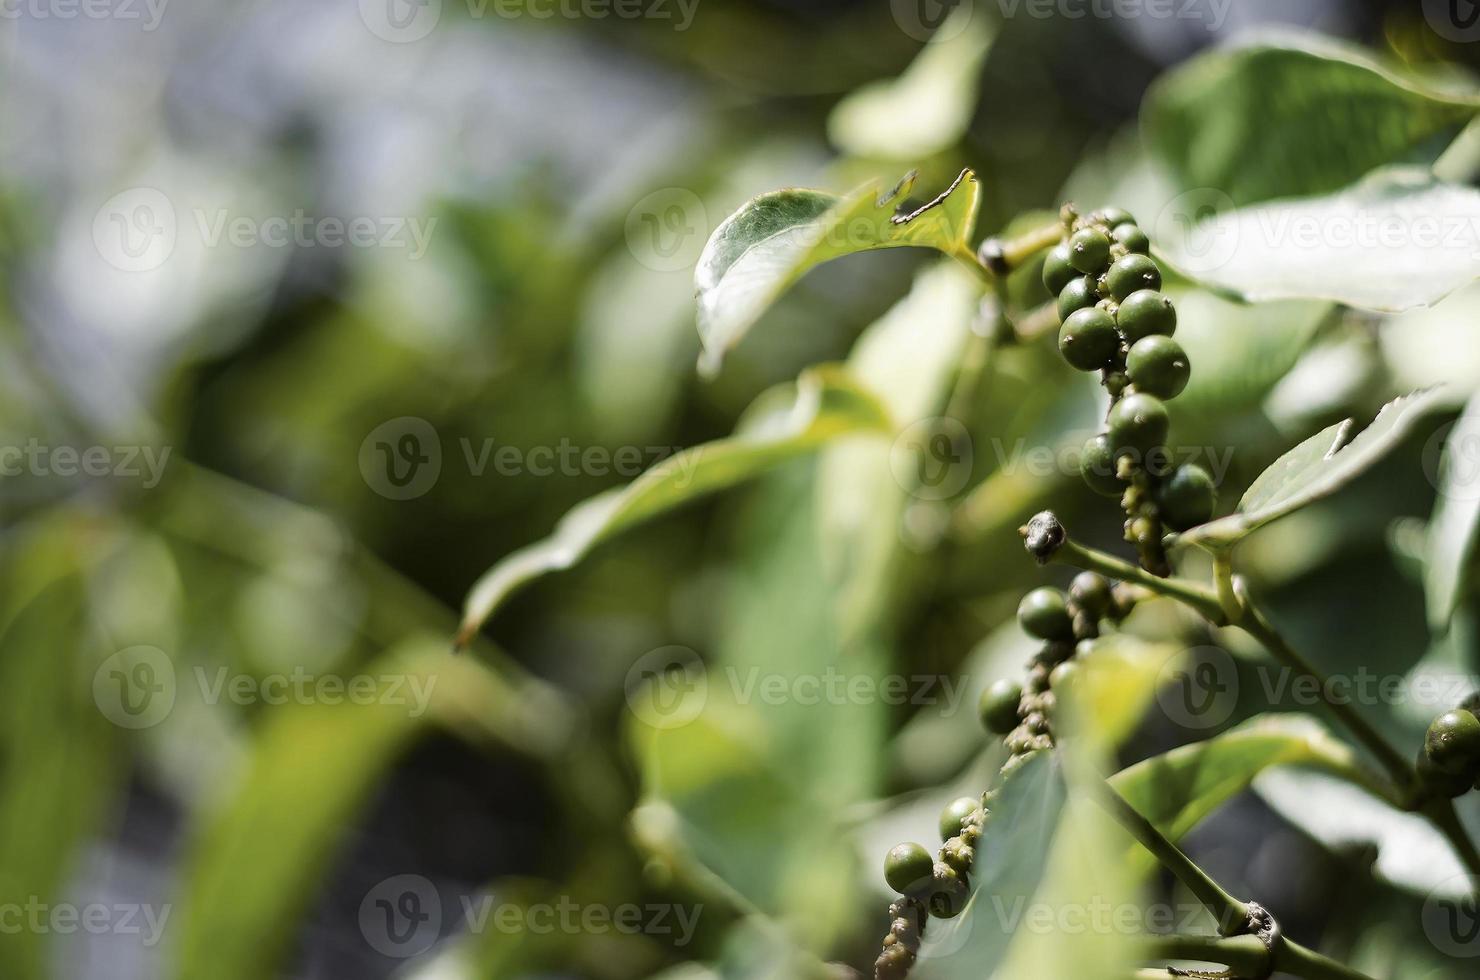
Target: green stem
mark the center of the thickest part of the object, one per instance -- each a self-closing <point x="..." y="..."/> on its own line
<point x="1017" y="251"/>
<point x="1199" y="597"/>
<point x="1246" y="956"/>
<point x="1441" y="813"/>
<point x="1223" y="585"/>
<point x="1293" y="958"/>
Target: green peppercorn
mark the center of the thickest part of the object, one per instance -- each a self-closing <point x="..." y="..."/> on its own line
<point x="1158" y="366"/>
<point x="1446" y="784"/>
<point x="1131" y="238"/>
<point x="1043" y="614"/>
<point x="907" y="868"/>
<point x="1132" y="273"/>
<point x="1186" y="498"/>
<point x="1115" y="216"/>
<point x="1088" y="339"/>
<point x="1089" y="250"/>
<point x="1138" y="424"/>
<point x="1097" y="466"/>
<point x="998" y="708"/>
<point x="1453" y="742"/>
<point x="1090" y="591"/>
<point x="1056" y="268"/>
<point x="1063" y="675"/>
<point x="1078" y="294"/>
<point x="1144" y="313"/>
<point x="956" y="812"/>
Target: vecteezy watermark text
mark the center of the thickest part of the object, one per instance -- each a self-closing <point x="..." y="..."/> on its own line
<point x="124" y="462"/>
<point x="405" y="21"/>
<point x="95" y="919"/>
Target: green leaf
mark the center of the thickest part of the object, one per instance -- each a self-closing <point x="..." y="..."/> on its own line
<point x="1316" y="468"/>
<point x="782" y="424"/>
<point x="760" y="250"/>
<point x="1455" y="525"/>
<point x="256" y="865"/>
<point x="1398" y="239"/>
<point x="928" y="107"/>
<point x="1286" y="115"/>
<point x="1178" y="789"/>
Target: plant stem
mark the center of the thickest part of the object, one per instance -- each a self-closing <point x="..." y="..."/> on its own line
<point x="1252" y="621"/>
<point x="1223" y="585"/>
<point x="1291" y="957"/>
<point x="1230" y="914"/>
<point x="1199" y="597"/>
<point x="1245" y="956"/>
<point x="1016" y="251"/>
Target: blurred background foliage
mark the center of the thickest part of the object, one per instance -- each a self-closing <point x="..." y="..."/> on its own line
<point x="544" y="313"/>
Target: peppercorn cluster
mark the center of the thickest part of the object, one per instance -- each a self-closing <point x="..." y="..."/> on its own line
<point x="1022" y="713"/>
<point x="1449" y="763"/>
<point x="1114" y="319"/>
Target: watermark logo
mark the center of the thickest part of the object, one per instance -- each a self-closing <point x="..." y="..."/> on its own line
<point x="667" y="687"/>
<point x="401" y="916"/>
<point x="401" y="459"/>
<point x="1451" y="917"/>
<point x="1199" y="690"/>
<point x="149" y="12"/>
<point x="401" y="21"/>
<point x="932" y="459"/>
<point x="666" y="230"/>
<point x="135" y="230"/>
<point x="1453" y="20"/>
<point x="922" y="19"/>
<point x="135" y="688"/>
<point x="1206" y="240"/>
<point x="1451" y="458"/>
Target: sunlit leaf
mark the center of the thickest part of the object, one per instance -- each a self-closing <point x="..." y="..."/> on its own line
<point x="761" y="249"/>
<point x="1399" y="238"/>
<point x="1316" y="468"/>
<point x="780" y="426"/>
<point x="928" y="107"/>
<point x="1455" y="526"/>
<point x="1285" y="115"/>
<point x="1178" y="789"/>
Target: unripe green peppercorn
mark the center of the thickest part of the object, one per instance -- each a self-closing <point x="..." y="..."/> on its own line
<point x="1158" y="366"/>
<point x="1089" y="250"/>
<point x="1440" y="783"/>
<point x="1078" y="294"/>
<point x="1091" y="592"/>
<point x="1043" y="614"/>
<point x="1145" y="313"/>
<point x="1097" y="466"/>
<point x="998" y="707"/>
<point x="1056" y="269"/>
<point x="1088" y="339"/>
<point x="955" y="812"/>
<point x="1132" y="238"/>
<point x="908" y="868"/>
<point x="1453" y="742"/>
<point x="1063" y="675"/>
<point x="1132" y="273"/>
<point x="1115" y="216"/>
<point x="1138" y="423"/>
<point x="1186" y="498"/>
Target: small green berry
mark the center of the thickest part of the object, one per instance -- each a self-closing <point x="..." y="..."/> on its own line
<point x="1132" y="238"/>
<point x="1144" y="313"/>
<point x="1186" y="498"/>
<point x="1115" y="216"/>
<point x="908" y="868"/>
<point x="1097" y="466"/>
<point x="998" y="707"/>
<point x="1446" y="784"/>
<point x="1063" y="675"/>
<point x="1089" y="250"/>
<point x="1088" y="339"/>
<point x="1453" y="742"/>
<point x="1090" y="591"/>
<point x="1043" y="614"/>
<point x="1158" y="366"/>
<point x="1078" y="294"/>
<point x="1056" y="269"/>
<point x="1138" y="424"/>
<point x="955" y="813"/>
<point x="1132" y="273"/>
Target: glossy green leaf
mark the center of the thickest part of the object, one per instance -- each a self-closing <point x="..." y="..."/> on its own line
<point x="782" y="424"/>
<point x="928" y="107"/>
<point x="1455" y="525"/>
<point x="1398" y="239"/>
<point x="1178" y="789"/>
<point x="1286" y="115"/>
<point x="1316" y="468"/>
<point x="256" y="864"/>
<point x="760" y="250"/>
